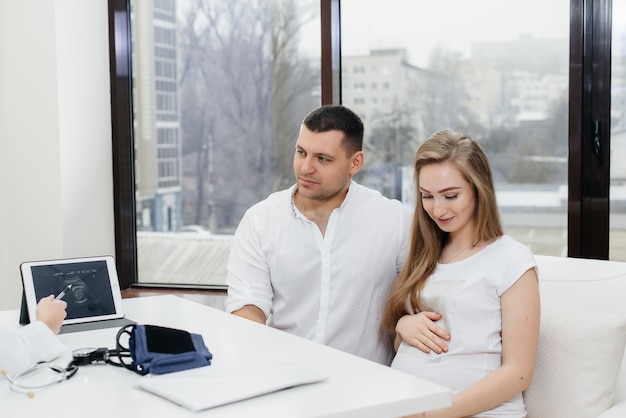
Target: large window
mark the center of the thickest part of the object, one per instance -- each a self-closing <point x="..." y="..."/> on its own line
<point x="219" y="88"/>
<point x="411" y="68"/>
<point x="206" y="112"/>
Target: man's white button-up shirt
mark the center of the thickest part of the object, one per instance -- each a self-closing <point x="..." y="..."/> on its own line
<point x="330" y="289"/>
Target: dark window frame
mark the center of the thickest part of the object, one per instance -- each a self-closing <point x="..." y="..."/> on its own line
<point x="123" y="152"/>
<point x="590" y="104"/>
<point x="589" y="98"/>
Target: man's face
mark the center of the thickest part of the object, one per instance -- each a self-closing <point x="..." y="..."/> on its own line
<point x="321" y="165"/>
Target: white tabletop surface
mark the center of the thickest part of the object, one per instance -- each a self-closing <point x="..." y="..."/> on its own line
<point x="356" y="387"/>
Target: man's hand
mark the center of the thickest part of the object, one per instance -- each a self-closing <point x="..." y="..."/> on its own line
<point x="421" y="331"/>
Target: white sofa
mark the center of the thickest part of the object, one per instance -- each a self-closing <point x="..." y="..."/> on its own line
<point x="580" y="369"/>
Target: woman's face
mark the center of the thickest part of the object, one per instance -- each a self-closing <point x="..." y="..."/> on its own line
<point x="447" y="198"/>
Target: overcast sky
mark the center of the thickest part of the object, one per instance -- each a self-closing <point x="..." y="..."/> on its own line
<point x="420" y="25"/>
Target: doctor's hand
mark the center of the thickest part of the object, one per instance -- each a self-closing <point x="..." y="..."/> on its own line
<point x="51" y="312"/>
<point x="421" y="331"/>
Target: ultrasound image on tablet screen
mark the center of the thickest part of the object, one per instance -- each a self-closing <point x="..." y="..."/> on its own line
<point x="90" y="294"/>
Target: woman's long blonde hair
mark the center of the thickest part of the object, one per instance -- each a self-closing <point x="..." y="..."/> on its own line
<point x="427" y="239"/>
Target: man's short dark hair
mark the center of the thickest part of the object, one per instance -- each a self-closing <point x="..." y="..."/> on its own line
<point x="337" y="118"/>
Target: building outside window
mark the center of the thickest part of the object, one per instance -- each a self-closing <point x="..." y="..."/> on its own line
<point x="220" y="88"/>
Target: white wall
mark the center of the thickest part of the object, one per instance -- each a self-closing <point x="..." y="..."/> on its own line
<point x="56" y="192"/>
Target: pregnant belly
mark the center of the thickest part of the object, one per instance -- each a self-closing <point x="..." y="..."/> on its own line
<point x="452" y="370"/>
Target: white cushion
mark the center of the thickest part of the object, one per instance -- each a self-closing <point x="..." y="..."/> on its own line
<point x="618" y="410"/>
<point x="578" y="358"/>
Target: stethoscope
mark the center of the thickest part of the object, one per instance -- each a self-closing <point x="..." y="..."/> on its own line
<point x="25" y="383"/>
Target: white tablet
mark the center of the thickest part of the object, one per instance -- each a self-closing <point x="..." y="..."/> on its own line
<point x="91" y="287"/>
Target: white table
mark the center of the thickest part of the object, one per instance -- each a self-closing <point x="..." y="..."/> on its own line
<point x="356" y="388"/>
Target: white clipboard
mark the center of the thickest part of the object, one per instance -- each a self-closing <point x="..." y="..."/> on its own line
<point x="223" y="383"/>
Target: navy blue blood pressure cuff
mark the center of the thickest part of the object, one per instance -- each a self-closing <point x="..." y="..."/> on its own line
<point x="160" y="350"/>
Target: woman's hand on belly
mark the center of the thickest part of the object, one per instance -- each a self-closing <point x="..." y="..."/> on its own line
<point x="421" y="331"/>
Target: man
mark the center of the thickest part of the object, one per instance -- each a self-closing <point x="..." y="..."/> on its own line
<point x="317" y="260"/>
